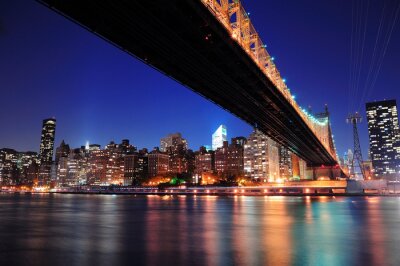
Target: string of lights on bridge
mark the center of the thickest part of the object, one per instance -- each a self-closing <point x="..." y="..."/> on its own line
<point x="236" y="20"/>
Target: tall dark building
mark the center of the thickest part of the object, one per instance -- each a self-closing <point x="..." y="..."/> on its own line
<point x="285" y="162"/>
<point x="46" y="151"/>
<point x="204" y="161"/>
<point x="135" y="168"/>
<point x="47" y="140"/>
<point x="158" y="163"/>
<point x="384" y="138"/>
<point x="62" y="151"/>
<point x="236" y="157"/>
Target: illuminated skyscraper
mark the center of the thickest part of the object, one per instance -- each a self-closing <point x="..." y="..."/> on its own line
<point x="384" y="138"/>
<point x="219" y="137"/>
<point x="46" y="150"/>
<point x="47" y="140"/>
<point x="261" y="157"/>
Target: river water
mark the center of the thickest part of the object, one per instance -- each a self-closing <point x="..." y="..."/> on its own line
<point x="58" y="229"/>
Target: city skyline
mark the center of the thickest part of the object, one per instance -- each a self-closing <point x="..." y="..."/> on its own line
<point x="88" y="92"/>
<point x="124" y="164"/>
<point x="200" y="132"/>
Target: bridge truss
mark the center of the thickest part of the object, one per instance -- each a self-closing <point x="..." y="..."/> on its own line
<point x="236" y="20"/>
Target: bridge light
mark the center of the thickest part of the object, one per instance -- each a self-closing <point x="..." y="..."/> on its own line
<point x="293" y="97"/>
<point x="284" y="80"/>
<point x="272" y="58"/>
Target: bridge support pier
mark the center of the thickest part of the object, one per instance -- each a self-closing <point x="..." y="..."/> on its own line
<point x="325" y="172"/>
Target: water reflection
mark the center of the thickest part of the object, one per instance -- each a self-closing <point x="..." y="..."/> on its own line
<point x="203" y="230"/>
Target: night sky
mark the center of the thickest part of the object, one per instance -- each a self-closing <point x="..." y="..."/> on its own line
<point x="50" y="67"/>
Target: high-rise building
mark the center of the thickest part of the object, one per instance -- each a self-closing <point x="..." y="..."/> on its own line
<point x="115" y="164"/>
<point x="26" y="164"/>
<point x="221" y="159"/>
<point x="173" y="140"/>
<point x="73" y="169"/>
<point x="62" y="171"/>
<point x="136" y="167"/>
<point x="285" y="163"/>
<point x="8" y="166"/>
<point x="158" y="163"/>
<point x="46" y="151"/>
<point x="219" y="137"/>
<point x="93" y="165"/>
<point x="384" y="138"/>
<point x="97" y="164"/>
<point x="18" y="168"/>
<point x="47" y="141"/>
<point x="181" y="159"/>
<point x="261" y="157"/>
<point x="229" y="161"/>
<point x="204" y="161"/>
<point x="236" y="156"/>
<point x="62" y="151"/>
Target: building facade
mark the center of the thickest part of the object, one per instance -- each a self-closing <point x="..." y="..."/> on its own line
<point x="221" y="159"/>
<point x="47" y="141"/>
<point x="204" y="161"/>
<point x="236" y="157"/>
<point x="285" y="163"/>
<point x="46" y="151"/>
<point x="18" y="168"/>
<point x="158" y="163"/>
<point x="173" y="140"/>
<point x="218" y="137"/>
<point x="384" y="138"/>
<point x="136" y="168"/>
<point x="62" y="151"/>
<point x="261" y="158"/>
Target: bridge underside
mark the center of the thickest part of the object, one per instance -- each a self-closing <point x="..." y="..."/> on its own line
<point x="183" y="40"/>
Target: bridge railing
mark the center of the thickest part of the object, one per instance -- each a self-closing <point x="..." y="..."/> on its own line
<point x="235" y="19"/>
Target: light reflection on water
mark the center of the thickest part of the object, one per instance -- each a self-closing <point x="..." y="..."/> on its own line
<point x="198" y="230"/>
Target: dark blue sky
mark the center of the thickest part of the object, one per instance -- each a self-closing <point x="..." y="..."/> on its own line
<point x="52" y="67"/>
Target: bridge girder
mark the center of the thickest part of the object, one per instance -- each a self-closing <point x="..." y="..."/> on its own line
<point x="184" y="40"/>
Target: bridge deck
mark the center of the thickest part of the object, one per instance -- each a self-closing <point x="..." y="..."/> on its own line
<point x="183" y="40"/>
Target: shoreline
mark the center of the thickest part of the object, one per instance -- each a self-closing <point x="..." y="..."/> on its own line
<point x="207" y="194"/>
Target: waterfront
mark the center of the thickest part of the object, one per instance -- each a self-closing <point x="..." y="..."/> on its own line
<point x="48" y="229"/>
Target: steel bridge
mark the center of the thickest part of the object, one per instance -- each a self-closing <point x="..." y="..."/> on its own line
<point x="211" y="47"/>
